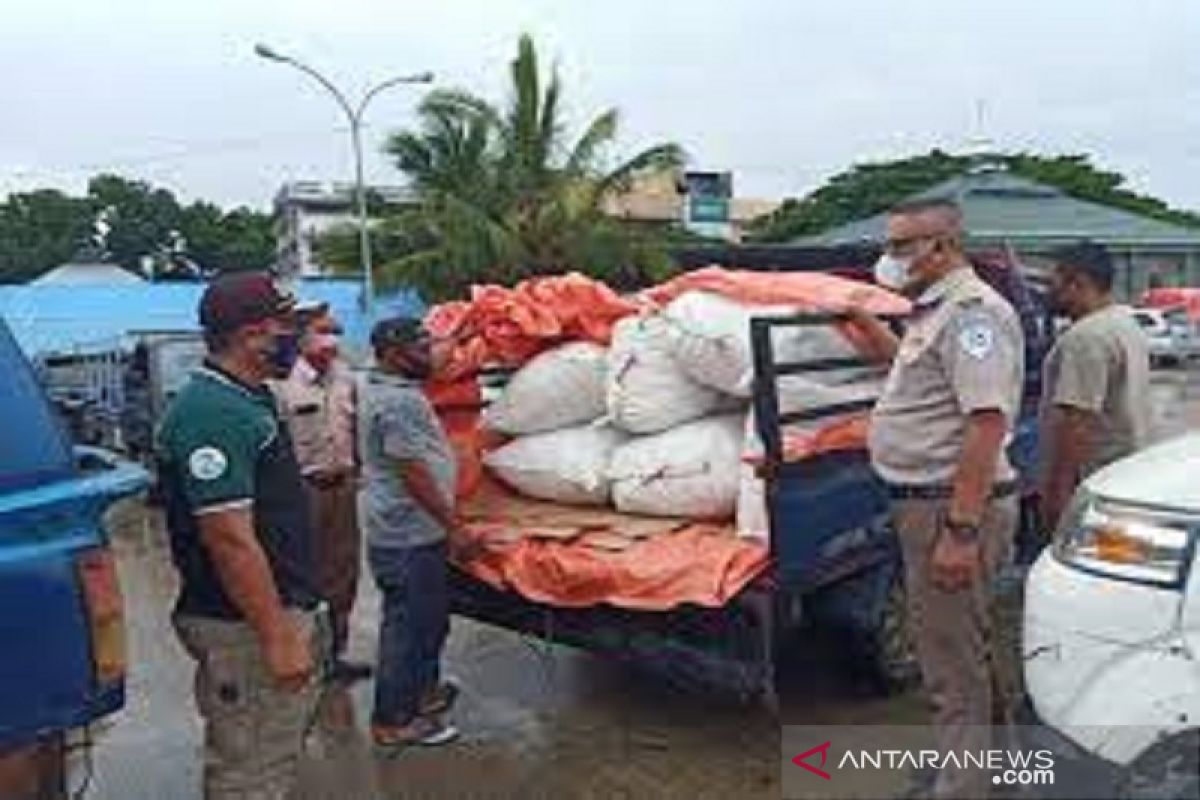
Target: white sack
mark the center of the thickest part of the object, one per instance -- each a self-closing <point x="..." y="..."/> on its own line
<point x="710" y="340"/>
<point x="559" y="388"/>
<point x="648" y="392"/>
<point x="802" y="393"/>
<point x="566" y="466"/>
<point x="752" y="518"/>
<point x="692" y="471"/>
<point x="796" y="393"/>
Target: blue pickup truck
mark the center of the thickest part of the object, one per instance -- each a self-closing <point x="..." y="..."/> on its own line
<point x="61" y="618"/>
<point x="834" y="560"/>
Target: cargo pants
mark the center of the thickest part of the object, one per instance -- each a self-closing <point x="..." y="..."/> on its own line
<point x="254" y="731"/>
<point x="962" y="673"/>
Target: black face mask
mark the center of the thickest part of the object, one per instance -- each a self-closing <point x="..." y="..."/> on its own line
<point x="413" y="365"/>
<point x="418" y="370"/>
<point x="285" y="349"/>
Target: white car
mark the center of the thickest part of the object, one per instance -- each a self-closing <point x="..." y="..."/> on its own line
<point x="1111" y="636"/>
<point x="1172" y="336"/>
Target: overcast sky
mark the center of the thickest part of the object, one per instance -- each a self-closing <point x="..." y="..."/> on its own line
<point x="782" y="92"/>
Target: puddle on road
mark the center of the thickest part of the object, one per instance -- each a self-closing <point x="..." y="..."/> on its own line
<point x="538" y="720"/>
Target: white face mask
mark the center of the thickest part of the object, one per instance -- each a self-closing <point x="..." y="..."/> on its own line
<point x="325" y="341"/>
<point x="321" y="349"/>
<point x="892" y="272"/>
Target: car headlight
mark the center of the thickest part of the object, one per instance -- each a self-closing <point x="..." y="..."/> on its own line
<point x="1125" y="541"/>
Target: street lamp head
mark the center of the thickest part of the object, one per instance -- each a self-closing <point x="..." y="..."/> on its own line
<point x="263" y="51"/>
<point x="422" y="77"/>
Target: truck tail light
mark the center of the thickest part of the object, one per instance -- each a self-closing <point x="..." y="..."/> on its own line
<point x="101" y="589"/>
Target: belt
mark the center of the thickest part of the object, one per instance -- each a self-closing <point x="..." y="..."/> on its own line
<point x="939" y="491"/>
<point x="319" y="481"/>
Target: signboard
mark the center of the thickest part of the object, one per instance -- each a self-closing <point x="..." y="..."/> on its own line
<point x="708" y="209"/>
<point x="708" y="202"/>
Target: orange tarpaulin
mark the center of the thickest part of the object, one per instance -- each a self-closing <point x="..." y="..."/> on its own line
<point x="844" y="434"/>
<point x="458" y="405"/>
<point x="510" y="326"/>
<point x="808" y="290"/>
<point x="580" y="557"/>
<point x="565" y="557"/>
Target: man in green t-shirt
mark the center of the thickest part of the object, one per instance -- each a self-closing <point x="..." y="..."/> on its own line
<point x="240" y="538"/>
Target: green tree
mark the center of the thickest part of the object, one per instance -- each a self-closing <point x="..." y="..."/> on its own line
<point x="504" y="193"/>
<point x="141" y="218"/>
<point x="39" y="231"/>
<point x="867" y="189"/>
<point x="227" y="241"/>
<point x="44" y="229"/>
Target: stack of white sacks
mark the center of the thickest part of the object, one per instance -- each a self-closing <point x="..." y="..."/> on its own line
<point x="658" y="423"/>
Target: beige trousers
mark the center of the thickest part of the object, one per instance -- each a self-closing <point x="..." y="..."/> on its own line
<point x="953" y="635"/>
<point x="337" y="546"/>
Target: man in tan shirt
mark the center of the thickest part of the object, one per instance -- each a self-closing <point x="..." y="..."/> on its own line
<point x="1096" y="385"/>
<point x="938" y="437"/>
<point x="318" y="401"/>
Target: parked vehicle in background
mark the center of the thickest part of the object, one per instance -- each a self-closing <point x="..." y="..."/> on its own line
<point x="1173" y="337"/>
<point x="61" y="616"/>
<point x="1112" y="623"/>
<point x="171" y="356"/>
<point x="1187" y="298"/>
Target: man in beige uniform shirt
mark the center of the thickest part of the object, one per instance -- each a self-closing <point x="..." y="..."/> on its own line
<point x="938" y="439"/>
<point x="318" y="401"/>
<point x="1096" y="385"/>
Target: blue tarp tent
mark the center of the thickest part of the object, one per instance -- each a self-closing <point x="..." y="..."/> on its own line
<point x="81" y="318"/>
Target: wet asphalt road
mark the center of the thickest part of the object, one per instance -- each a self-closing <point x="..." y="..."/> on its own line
<point x="538" y="721"/>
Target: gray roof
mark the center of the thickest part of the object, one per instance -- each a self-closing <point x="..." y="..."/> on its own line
<point x="77" y="274"/>
<point x="1003" y="208"/>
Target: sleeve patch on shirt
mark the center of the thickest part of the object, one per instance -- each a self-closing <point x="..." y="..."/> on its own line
<point x="977" y="339"/>
<point x="207" y="464"/>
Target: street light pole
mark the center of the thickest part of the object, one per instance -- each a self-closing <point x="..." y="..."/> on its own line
<point x="354" y="116"/>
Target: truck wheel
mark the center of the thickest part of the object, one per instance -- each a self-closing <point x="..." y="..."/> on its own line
<point x="895" y="657"/>
<point x="1167" y="771"/>
<point x="868" y="612"/>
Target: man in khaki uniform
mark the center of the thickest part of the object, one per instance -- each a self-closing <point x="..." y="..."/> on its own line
<point x="318" y="402"/>
<point x="1096" y="386"/>
<point x="938" y="439"/>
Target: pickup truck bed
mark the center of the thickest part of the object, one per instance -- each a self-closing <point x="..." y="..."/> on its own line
<point x="832" y="556"/>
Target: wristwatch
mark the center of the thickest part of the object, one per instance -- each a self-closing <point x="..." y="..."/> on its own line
<point x="961" y="531"/>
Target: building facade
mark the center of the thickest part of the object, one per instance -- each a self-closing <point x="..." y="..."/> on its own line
<point x="307" y="210"/>
<point x="700" y="201"/>
<point x="1002" y="210"/>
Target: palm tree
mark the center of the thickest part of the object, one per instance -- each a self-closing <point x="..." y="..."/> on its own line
<point x="504" y="195"/>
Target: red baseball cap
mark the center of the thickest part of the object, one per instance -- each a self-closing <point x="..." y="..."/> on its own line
<point x="243" y="298"/>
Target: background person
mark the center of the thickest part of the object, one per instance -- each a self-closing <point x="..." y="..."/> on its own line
<point x="318" y="401"/>
<point x="1096" y="384"/>
<point x="407" y="505"/>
